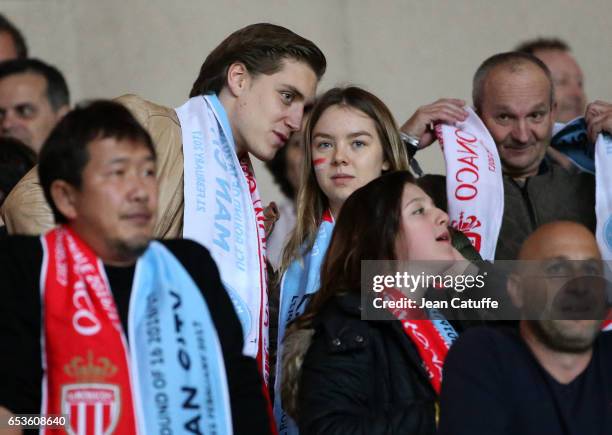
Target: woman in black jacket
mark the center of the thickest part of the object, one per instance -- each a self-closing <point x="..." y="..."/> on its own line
<point x="344" y="375"/>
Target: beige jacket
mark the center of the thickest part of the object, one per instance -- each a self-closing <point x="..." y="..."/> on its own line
<point x="25" y="210"/>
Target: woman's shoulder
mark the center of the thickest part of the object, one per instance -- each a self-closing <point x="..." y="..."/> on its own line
<point x="339" y="326"/>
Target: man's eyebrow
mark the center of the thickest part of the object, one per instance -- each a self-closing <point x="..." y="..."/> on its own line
<point x="501" y="108"/>
<point x="149" y="158"/>
<point x="504" y="108"/>
<point x="294" y="90"/>
<point x="541" y="106"/>
<point x="23" y="106"/>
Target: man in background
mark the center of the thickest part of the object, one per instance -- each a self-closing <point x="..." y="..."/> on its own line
<point x="34" y="96"/>
<point x="567" y="75"/>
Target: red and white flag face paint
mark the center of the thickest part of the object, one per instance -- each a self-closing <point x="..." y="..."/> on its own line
<point x="474" y="183"/>
<point x="320" y="163"/>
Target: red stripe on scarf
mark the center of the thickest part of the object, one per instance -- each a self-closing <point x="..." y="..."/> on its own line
<point x="263" y="363"/>
<point x="429" y="343"/>
<point x="84" y="347"/>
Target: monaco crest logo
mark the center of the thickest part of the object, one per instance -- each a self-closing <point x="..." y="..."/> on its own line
<point x="92" y="406"/>
<point x="467" y="227"/>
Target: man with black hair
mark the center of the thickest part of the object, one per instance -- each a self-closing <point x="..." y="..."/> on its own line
<point x="12" y="42"/>
<point x="120" y="333"/>
<point x="33" y="98"/>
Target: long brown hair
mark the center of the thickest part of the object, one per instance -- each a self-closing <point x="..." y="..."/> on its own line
<point x="366" y="229"/>
<point x="311" y="201"/>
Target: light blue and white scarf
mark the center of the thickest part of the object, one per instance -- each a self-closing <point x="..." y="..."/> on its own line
<point x="176" y="359"/>
<point x="299" y="283"/>
<point x="603" y="194"/>
<point x="220" y="214"/>
<point x="572" y="140"/>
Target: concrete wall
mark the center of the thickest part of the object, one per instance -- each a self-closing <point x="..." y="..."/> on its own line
<point x="407" y="52"/>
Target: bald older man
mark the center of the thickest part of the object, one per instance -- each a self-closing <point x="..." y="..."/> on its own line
<point x="551" y="376"/>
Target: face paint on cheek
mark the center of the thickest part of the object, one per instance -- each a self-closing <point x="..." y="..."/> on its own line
<point x="319" y="163"/>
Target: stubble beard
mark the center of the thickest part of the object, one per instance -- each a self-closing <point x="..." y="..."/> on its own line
<point x="558" y="336"/>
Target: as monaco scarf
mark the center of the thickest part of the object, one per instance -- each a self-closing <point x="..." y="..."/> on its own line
<point x="223" y="212"/>
<point x="474" y="184"/>
<point x="299" y="283"/>
<point x="171" y="379"/>
<point x="432" y="335"/>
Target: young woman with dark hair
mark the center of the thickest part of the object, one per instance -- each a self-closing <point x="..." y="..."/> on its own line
<point x="345" y="375"/>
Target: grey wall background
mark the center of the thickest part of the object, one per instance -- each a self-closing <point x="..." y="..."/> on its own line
<point x="408" y="52"/>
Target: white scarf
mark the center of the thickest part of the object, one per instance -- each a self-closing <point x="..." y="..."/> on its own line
<point x="474" y="184"/>
<point x="223" y="212"/>
<point x="603" y="194"/>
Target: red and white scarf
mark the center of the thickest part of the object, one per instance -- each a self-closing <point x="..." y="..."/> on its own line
<point x="89" y="372"/>
<point x="474" y="183"/>
<point x="79" y="310"/>
<point x="432" y="338"/>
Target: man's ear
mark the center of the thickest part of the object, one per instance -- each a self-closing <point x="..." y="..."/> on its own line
<point x="64" y="197"/>
<point x="238" y="78"/>
<point x="515" y="290"/>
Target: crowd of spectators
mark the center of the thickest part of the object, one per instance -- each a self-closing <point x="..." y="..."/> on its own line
<point x="147" y="289"/>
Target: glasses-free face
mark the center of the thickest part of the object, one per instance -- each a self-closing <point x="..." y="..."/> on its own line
<point x="423" y="229"/>
<point x="269" y="108"/>
<point x="517" y="111"/>
<point x="562" y="289"/>
<point x="25" y="111"/>
<point x="115" y="207"/>
<point x="568" y="79"/>
<point x="347" y="153"/>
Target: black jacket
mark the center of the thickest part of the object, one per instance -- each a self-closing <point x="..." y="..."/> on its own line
<point x="20" y="328"/>
<point x="362" y="377"/>
<point x="551" y="195"/>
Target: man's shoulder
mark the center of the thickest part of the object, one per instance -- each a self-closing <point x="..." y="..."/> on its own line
<point x="481" y="345"/>
<point x="605" y="344"/>
<point x="185" y="247"/>
<point x="192" y="255"/>
<point x="145" y="110"/>
<point x="560" y="174"/>
<point x="21" y="258"/>
<point x="18" y="246"/>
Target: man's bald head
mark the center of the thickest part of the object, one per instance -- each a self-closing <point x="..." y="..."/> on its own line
<point x="560" y="287"/>
<point x="512" y="61"/>
<point x="563" y="239"/>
